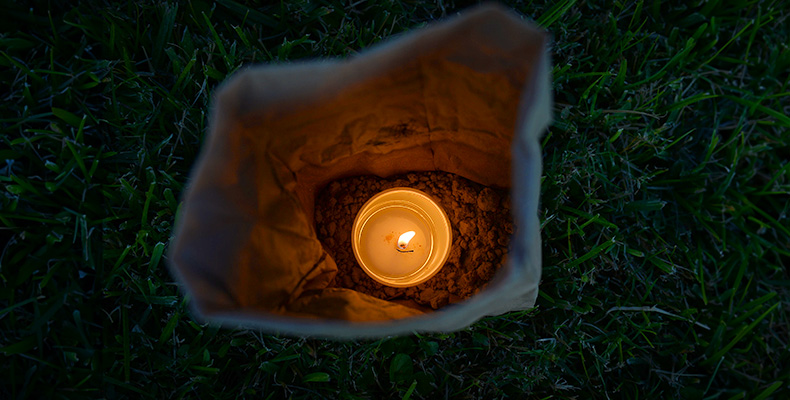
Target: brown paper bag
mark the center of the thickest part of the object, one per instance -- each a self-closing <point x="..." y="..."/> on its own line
<point x="470" y="96"/>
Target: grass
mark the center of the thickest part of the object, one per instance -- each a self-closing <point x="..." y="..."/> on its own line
<point x="665" y="204"/>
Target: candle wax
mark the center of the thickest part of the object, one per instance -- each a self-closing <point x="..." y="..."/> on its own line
<point x="381" y="222"/>
<point x="380" y="236"/>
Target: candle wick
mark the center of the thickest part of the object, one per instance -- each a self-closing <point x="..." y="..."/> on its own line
<point x="404" y="251"/>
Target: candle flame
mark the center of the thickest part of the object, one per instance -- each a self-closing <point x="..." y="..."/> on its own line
<point x="404" y="239"/>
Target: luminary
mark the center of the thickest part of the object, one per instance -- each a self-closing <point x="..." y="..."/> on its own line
<point x="469" y="95"/>
<point x="401" y="237"/>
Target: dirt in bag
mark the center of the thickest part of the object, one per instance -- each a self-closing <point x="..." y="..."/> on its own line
<point x="479" y="216"/>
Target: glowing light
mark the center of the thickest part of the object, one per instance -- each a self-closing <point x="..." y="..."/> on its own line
<point x="404" y="239"/>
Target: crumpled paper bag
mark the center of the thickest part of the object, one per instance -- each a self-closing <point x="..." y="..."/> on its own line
<point x="469" y="95"/>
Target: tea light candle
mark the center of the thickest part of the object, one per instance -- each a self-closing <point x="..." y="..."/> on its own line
<point x="401" y="237"/>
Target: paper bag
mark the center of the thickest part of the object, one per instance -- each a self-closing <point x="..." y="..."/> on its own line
<point x="469" y="96"/>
